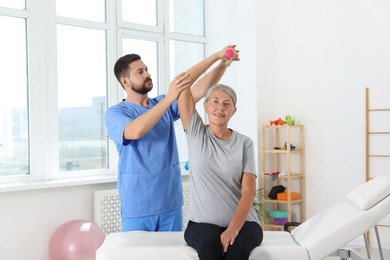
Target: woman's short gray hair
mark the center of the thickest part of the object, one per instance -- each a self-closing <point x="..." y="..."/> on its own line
<point x="228" y="90"/>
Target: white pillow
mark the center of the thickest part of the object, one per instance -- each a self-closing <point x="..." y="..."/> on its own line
<point x="370" y="193"/>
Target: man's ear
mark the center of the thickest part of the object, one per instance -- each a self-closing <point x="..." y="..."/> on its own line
<point x="124" y="81"/>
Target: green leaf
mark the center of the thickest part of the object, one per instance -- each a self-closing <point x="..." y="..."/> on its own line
<point x="258" y="205"/>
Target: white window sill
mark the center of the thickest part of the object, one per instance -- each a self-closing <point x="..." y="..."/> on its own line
<point x="22" y="186"/>
<point x="67" y="182"/>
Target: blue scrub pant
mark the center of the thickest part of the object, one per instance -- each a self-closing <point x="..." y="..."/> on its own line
<point x="169" y="221"/>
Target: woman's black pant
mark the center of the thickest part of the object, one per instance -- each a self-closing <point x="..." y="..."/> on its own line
<point x="205" y="238"/>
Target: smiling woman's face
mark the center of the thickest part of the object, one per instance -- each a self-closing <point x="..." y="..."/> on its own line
<point x="219" y="107"/>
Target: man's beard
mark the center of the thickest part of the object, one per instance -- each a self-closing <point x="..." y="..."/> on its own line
<point x="144" y="88"/>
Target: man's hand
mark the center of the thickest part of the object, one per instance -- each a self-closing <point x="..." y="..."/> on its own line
<point x="178" y="84"/>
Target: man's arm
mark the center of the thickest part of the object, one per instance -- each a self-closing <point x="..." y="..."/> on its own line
<point x="142" y="124"/>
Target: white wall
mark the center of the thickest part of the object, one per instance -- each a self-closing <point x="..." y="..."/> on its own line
<point x="315" y="60"/>
<point x="29" y="218"/>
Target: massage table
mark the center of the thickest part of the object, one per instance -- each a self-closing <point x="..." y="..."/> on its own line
<point x="324" y="234"/>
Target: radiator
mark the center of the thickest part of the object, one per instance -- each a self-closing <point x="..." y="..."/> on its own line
<point x="107" y="209"/>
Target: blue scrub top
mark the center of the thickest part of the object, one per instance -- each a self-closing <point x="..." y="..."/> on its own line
<point x="149" y="179"/>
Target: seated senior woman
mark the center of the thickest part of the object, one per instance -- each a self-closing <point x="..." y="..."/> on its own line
<point x="222" y="223"/>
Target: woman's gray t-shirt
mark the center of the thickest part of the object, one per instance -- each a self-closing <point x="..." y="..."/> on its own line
<point x="216" y="168"/>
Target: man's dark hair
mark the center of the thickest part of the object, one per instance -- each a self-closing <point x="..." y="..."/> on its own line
<point x="121" y="67"/>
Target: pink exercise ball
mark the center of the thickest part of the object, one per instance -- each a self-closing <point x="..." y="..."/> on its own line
<point x="75" y="240"/>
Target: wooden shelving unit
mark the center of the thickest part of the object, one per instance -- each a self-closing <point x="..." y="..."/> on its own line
<point x="291" y="162"/>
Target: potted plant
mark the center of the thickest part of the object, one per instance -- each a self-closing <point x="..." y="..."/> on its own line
<point x="258" y="205"/>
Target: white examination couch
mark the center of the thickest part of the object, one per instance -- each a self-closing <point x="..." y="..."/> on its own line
<point x="316" y="238"/>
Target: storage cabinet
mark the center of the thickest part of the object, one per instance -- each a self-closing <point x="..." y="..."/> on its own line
<point x="282" y="163"/>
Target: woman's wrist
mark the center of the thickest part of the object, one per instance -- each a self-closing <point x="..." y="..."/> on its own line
<point x="225" y="63"/>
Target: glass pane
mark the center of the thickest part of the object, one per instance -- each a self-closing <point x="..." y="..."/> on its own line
<point x="183" y="56"/>
<point x="186" y="16"/>
<point x="82" y="88"/>
<point x="14" y="131"/>
<point x="148" y="52"/>
<point x="142" y="12"/>
<point x="81" y="9"/>
<point x="17" y="4"/>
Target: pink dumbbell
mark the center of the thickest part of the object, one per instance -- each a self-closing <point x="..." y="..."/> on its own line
<point x="229" y="53"/>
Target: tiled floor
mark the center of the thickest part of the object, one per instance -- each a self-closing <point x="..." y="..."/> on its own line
<point x="374" y="254"/>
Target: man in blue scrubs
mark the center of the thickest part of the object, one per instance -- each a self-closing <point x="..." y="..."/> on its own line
<point x="149" y="177"/>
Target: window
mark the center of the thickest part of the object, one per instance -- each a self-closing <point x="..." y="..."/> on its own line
<point x="185" y="16"/>
<point x="140" y="12"/>
<point x="81" y="62"/>
<point x="51" y="123"/>
<point x="82" y="87"/>
<point x="15" y="4"/>
<point x="88" y="10"/>
<point x="14" y="119"/>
